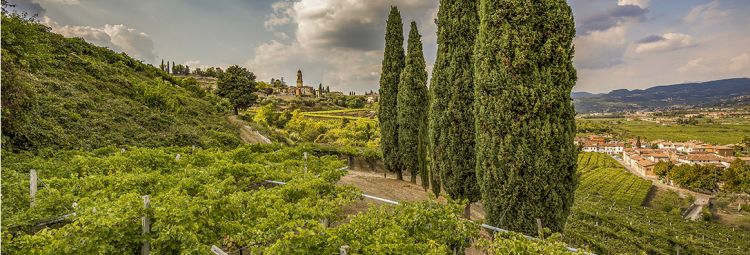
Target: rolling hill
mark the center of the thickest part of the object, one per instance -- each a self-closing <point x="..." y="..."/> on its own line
<point x="724" y="93"/>
<point x="64" y="93"/>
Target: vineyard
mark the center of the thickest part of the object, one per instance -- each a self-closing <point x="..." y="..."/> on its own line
<point x="608" y="218"/>
<point x="93" y="202"/>
<point x="344" y="114"/>
<point x="601" y="175"/>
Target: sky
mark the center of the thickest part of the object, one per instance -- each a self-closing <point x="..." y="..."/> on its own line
<point x="631" y="44"/>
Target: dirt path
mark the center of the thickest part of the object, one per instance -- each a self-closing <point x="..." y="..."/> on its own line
<point x="373" y="183"/>
<point x="247" y="133"/>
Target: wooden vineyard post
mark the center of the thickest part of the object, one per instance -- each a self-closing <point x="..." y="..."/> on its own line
<point x="539" y="228"/>
<point x="33" y="178"/>
<point x="305" y="155"/>
<point x="146" y="226"/>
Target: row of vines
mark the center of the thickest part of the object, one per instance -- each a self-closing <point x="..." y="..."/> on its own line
<point x="201" y="198"/>
<point x="608" y="217"/>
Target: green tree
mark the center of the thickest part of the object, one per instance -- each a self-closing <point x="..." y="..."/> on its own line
<point x="523" y="76"/>
<point x="662" y="169"/>
<point x="237" y="85"/>
<point x="412" y="110"/>
<point x="452" y="96"/>
<point x="393" y="63"/>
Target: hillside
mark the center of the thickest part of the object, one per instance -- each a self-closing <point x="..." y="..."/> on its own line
<point x="728" y="92"/>
<point x="64" y="93"/>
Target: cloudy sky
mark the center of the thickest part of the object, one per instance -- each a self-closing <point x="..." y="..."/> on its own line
<point x="620" y="43"/>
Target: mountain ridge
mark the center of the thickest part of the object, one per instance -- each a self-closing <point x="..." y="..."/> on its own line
<point x="730" y="92"/>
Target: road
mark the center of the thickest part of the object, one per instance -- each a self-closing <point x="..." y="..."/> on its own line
<point x="700" y="198"/>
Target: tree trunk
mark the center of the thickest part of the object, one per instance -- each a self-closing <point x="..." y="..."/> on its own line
<point x="413" y="178"/>
<point x="467" y="211"/>
<point x="399" y="175"/>
<point x="236" y="111"/>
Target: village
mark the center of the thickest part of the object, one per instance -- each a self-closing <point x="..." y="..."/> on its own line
<point x="643" y="156"/>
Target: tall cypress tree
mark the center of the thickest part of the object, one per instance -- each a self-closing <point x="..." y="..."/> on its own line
<point x="393" y="63"/>
<point x="526" y="160"/>
<point x="452" y="95"/>
<point x="412" y="109"/>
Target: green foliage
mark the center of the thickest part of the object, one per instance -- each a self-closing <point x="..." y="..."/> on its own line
<point x="237" y="84"/>
<point x="601" y="175"/>
<point x="663" y="168"/>
<point x="668" y="200"/>
<point x="607" y="217"/>
<point x="207" y="197"/>
<point x="696" y="177"/>
<point x="411" y="228"/>
<point x="736" y="178"/>
<point x="523" y="76"/>
<point x="412" y="110"/>
<point x="451" y="120"/>
<point x="267" y="116"/>
<point x="64" y="93"/>
<point x="514" y="243"/>
<point x="393" y="64"/>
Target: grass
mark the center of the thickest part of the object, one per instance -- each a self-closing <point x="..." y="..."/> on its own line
<point x="669" y="201"/>
<point x="64" y="93"/>
<point x="724" y="132"/>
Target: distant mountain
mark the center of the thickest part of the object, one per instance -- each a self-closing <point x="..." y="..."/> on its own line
<point x="726" y="93"/>
<point x="577" y="95"/>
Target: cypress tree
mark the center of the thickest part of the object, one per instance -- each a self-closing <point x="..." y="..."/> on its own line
<point x="393" y="63"/>
<point x="452" y="95"/>
<point x="523" y="75"/>
<point x="162" y="65"/>
<point x="412" y="109"/>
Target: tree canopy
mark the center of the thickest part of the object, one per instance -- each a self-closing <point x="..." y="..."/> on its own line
<point x="451" y="100"/>
<point x="526" y="159"/>
<point x="393" y="63"/>
<point x="237" y="84"/>
<point x="412" y="110"/>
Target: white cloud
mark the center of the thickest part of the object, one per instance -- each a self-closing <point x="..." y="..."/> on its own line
<point x="337" y="42"/>
<point x="601" y="49"/>
<point x="282" y="15"/>
<point x="116" y="37"/>
<point x="706" y="12"/>
<point x="640" y="3"/>
<point x="66" y="2"/>
<point x="193" y="63"/>
<point x="694" y="65"/>
<point x="667" y="42"/>
<point x="740" y="62"/>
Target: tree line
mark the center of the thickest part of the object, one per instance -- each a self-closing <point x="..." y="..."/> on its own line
<point x="497" y="122"/>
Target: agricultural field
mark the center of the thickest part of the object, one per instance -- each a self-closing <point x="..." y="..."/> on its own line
<point x="345" y="114"/>
<point x="719" y="132"/>
<point x="608" y="217"/>
<point x="91" y="203"/>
